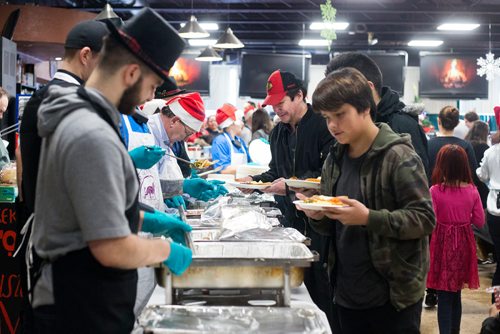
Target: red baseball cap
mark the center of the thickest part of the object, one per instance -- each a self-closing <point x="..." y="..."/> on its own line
<point x="278" y="84"/>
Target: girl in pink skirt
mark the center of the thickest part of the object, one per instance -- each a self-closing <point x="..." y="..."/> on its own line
<point x="457" y="205"/>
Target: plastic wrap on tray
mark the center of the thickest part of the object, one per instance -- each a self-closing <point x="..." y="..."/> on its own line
<point x="276" y="234"/>
<point x="220" y="319"/>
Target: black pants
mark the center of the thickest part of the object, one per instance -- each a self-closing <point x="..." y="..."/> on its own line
<point x="494" y="228"/>
<point x="381" y="320"/>
<point x="449" y="311"/>
<point x="44" y="320"/>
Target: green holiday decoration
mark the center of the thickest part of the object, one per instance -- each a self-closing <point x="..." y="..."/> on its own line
<point x="328" y="13"/>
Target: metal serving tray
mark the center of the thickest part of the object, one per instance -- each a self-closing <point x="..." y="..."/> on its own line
<point x="220" y="319"/>
<point x="276" y="235"/>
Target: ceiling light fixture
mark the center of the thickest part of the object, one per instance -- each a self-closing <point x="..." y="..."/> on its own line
<point x="458" y="26"/>
<point x="107" y="14"/>
<point x="58" y="58"/>
<point x="202" y="42"/>
<point x="193" y="29"/>
<point x="209" y="54"/>
<point x="228" y="40"/>
<point x="206" y="25"/>
<point x="314" y="42"/>
<point x="424" y="43"/>
<point x="323" y="25"/>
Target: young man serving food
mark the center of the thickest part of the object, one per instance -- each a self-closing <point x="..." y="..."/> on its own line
<point x="380" y="247"/>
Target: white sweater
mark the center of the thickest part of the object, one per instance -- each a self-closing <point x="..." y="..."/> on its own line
<point x="489" y="173"/>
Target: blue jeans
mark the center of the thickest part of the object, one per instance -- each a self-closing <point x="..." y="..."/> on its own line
<point x="449" y="311"/>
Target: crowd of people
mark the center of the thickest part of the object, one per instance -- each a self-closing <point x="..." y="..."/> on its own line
<point x="104" y="167"/>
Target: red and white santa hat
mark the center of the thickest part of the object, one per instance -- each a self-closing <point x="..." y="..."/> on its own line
<point x="248" y="111"/>
<point x="497" y="116"/>
<point x="189" y="108"/>
<point x="226" y="115"/>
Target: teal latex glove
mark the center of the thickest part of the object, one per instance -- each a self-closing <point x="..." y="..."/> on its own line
<point x="161" y="223"/>
<point x="196" y="187"/>
<point x="179" y="259"/>
<point x="145" y="157"/>
<point x="175" y="201"/>
<point x="194" y="174"/>
<point x="218" y="190"/>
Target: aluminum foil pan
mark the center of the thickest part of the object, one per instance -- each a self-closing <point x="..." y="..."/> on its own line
<point x="254" y="251"/>
<point x="220" y="319"/>
<point x="277" y="234"/>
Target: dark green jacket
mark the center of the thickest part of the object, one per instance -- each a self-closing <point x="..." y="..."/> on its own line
<point x="394" y="188"/>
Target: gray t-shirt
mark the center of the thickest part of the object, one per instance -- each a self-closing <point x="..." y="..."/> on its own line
<point x="357" y="284"/>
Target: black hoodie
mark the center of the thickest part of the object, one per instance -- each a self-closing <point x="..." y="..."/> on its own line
<point x="390" y="111"/>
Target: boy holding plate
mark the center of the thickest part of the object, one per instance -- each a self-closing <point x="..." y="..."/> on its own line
<point x="380" y="257"/>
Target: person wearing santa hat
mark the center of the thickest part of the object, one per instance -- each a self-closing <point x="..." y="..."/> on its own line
<point x="172" y="121"/>
<point x="229" y="148"/>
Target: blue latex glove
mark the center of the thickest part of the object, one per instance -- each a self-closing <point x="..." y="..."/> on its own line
<point x="161" y="223"/>
<point x="218" y="190"/>
<point x="145" y="157"/>
<point x="175" y="201"/>
<point x="179" y="259"/>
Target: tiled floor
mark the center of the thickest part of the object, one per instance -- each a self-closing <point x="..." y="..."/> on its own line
<point x="475" y="306"/>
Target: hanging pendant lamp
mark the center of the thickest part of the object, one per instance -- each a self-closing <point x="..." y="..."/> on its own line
<point x="228" y="41"/>
<point x="209" y="54"/>
<point x="193" y="29"/>
<point x="107" y="14"/>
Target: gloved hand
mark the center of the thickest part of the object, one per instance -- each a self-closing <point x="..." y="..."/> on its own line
<point x="179" y="259"/>
<point x="217" y="191"/>
<point x="161" y="223"/>
<point x="175" y="201"/>
<point x="144" y="157"/>
<point x="194" y="174"/>
<point x="204" y="190"/>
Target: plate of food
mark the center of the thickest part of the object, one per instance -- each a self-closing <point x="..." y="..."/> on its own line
<point x="309" y="183"/>
<point x="202" y="164"/>
<point x="317" y="202"/>
<point x="257" y="185"/>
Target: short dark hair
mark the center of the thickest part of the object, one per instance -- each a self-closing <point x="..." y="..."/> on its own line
<point x="362" y="63"/>
<point x="478" y="133"/>
<point x="471" y="116"/>
<point x="115" y="55"/>
<point x="452" y="166"/>
<point x="346" y="85"/>
<point x="166" y="111"/>
<point x="291" y="93"/>
<point x="261" y="120"/>
<point x="449" y="117"/>
<point x="3" y="92"/>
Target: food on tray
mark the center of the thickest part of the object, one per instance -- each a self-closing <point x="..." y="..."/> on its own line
<point x="314" y="179"/>
<point x="202" y="163"/>
<point x="327" y="200"/>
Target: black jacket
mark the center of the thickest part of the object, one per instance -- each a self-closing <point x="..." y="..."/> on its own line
<point x="313" y="144"/>
<point x="31" y="142"/>
<point x="390" y="111"/>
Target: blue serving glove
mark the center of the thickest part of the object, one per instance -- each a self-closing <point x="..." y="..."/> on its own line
<point x="145" y="157"/>
<point x="204" y="190"/>
<point x="161" y="223"/>
<point x="179" y="259"/>
<point x="175" y="201"/>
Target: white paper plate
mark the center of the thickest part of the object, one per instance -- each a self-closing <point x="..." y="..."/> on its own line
<point x="249" y="185"/>
<point x="317" y="207"/>
<point x="303" y="184"/>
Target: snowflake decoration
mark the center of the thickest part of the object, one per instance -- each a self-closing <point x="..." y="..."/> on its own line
<point x="489" y="66"/>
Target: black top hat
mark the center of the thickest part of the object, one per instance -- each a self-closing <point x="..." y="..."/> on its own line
<point x="148" y="36"/>
<point x="168" y="89"/>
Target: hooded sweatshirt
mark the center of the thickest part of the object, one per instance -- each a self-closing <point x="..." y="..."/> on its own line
<point x="86" y="179"/>
<point x="390" y="111"/>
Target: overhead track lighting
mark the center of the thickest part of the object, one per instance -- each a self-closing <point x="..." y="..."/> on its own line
<point x="425" y="43"/>
<point x="314" y="42"/>
<point x="458" y="26"/>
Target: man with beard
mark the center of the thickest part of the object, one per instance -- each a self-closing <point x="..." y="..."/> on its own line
<point x="389" y="107"/>
<point x="87" y="188"/>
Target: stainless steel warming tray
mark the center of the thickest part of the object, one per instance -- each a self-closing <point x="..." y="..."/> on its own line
<point x="224" y="319"/>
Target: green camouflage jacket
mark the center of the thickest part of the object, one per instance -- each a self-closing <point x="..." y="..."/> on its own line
<point x="394" y="188"/>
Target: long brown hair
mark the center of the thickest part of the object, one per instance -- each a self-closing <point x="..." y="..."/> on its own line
<point x="478" y="133"/>
<point x="452" y="166"/>
<point x="261" y="120"/>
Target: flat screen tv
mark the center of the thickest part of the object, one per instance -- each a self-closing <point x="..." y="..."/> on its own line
<point x="392" y="67"/>
<point x="191" y="74"/>
<point x="451" y="76"/>
<point x="256" y="68"/>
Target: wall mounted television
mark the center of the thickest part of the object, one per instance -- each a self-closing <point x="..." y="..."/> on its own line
<point x="191" y="74"/>
<point x="392" y="66"/>
<point x="256" y="68"/>
<point x="451" y="75"/>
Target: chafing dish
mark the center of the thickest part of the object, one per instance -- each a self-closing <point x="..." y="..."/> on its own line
<point x="219" y="319"/>
<point x="230" y="265"/>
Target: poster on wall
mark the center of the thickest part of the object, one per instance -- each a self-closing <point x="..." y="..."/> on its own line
<point x="451" y="75"/>
<point x="191" y="75"/>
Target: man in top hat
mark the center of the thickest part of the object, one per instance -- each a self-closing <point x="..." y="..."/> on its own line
<point x="228" y="148"/>
<point x="299" y="145"/>
<point x="87" y="191"/>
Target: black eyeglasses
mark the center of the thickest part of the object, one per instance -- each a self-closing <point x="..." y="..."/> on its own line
<point x="187" y="131"/>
